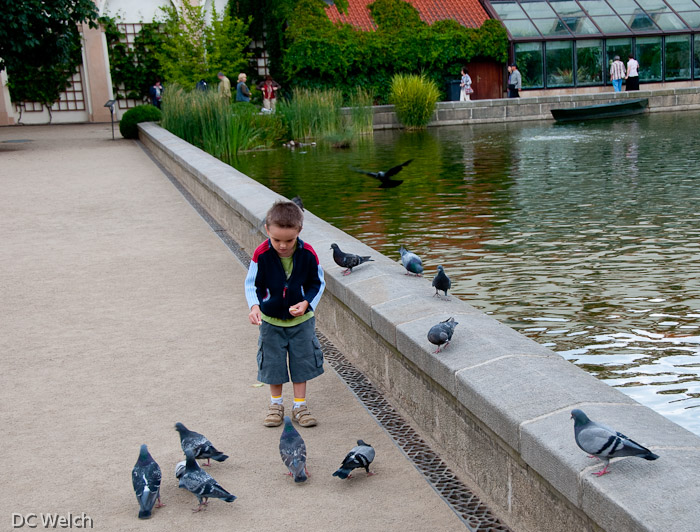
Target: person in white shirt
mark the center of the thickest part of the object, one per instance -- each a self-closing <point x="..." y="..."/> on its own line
<point x="466" y="85"/>
<point x="632" y="74"/>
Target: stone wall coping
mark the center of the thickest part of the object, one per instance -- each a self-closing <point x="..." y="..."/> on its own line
<point x="520" y="390"/>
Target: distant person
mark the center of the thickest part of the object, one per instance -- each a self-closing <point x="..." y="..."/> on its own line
<point x="617" y="73"/>
<point x="242" y="90"/>
<point x="515" y="82"/>
<point x="632" y="78"/>
<point x="466" y="86"/>
<point x="269" y="90"/>
<point x="224" y="87"/>
<point x="156" y="93"/>
<point x="202" y="85"/>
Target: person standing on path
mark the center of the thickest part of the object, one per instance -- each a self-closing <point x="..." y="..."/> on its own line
<point x="156" y="93"/>
<point x="632" y="74"/>
<point x="283" y="288"/>
<point x="466" y="85"/>
<point x="224" y="87"/>
<point x="515" y="82"/>
<point x="617" y="73"/>
<point x="269" y="90"/>
<point x="242" y="90"/>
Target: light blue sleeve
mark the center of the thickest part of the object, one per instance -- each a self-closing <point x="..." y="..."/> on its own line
<point x="250" y="292"/>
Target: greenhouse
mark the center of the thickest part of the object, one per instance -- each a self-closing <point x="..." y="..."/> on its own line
<point x="571" y="43"/>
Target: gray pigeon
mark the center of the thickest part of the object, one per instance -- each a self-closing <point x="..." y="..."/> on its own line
<point x="411" y="262"/>
<point x="199" y="445"/>
<point x="441" y="282"/>
<point x="180" y="468"/>
<point x="442" y="333"/>
<point x="201" y="483"/>
<point x="146" y="477"/>
<point x="385" y="177"/>
<point x="360" y="456"/>
<point x="603" y="442"/>
<point x="347" y="260"/>
<point x="293" y="451"/>
<point x="297" y="201"/>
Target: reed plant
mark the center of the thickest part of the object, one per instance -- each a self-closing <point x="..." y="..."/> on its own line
<point x="312" y="114"/>
<point x="361" y="112"/>
<point x="414" y="98"/>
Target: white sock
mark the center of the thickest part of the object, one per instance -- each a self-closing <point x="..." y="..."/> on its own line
<point x="276" y="400"/>
<point x="299" y="402"/>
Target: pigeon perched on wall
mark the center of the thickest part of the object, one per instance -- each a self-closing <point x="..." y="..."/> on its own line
<point x="360" y="456"/>
<point x="441" y="281"/>
<point x="441" y="334"/>
<point x="605" y="443"/>
<point x="202" y="484"/>
<point x="146" y="477"/>
<point x="411" y="262"/>
<point x="293" y="451"/>
<point x="385" y="177"/>
<point x="180" y="468"/>
<point x="199" y="445"/>
<point x="347" y="260"/>
<point x="297" y="201"/>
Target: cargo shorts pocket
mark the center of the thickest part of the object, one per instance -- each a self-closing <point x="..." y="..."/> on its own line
<point x="318" y="352"/>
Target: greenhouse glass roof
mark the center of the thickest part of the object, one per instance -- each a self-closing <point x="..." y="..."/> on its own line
<point x="545" y="19"/>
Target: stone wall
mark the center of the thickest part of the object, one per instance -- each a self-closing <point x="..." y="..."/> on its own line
<point x="496" y="403"/>
<point x="539" y="107"/>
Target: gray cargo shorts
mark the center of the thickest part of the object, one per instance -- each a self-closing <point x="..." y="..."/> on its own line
<point x="305" y="355"/>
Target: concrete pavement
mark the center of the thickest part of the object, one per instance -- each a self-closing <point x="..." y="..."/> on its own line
<point x="122" y="313"/>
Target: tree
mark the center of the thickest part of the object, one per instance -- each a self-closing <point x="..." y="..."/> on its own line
<point x="40" y="46"/>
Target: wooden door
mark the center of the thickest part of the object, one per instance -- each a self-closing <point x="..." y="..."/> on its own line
<point x="487" y="80"/>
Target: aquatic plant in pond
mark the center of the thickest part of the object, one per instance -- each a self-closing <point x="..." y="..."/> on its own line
<point x="361" y="112"/>
<point x="414" y="98"/>
<point x="312" y="114"/>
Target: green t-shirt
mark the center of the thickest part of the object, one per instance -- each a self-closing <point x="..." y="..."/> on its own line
<point x="288" y="265"/>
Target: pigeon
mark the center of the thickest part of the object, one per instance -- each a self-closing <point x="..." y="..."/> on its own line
<point x="441" y="282"/>
<point x="146" y="477"/>
<point x="385" y="177"/>
<point x="199" y="445"/>
<point x="360" y="456"/>
<point x="180" y="468"/>
<point x="201" y="483"/>
<point x="297" y="201"/>
<point x="293" y="451"/>
<point x="411" y="262"/>
<point x="347" y="260"/>
<point x="604" y="443"/>
<point x="442" y="333"/>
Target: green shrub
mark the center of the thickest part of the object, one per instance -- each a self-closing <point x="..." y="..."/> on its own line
<point x="414" y="98"/>
<point x="140" y="113"/>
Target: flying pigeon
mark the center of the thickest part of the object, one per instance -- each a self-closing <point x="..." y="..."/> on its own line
<point x="199" y="445"/>
<point x="603" y="442"/>
<point x="201" y="483"/>
<point x="442" y="333"/>
<point x="293" y="451"/>
<point x="385" y="177"/>
<point x="146" y="479"/>
<point x="411" y="262"/>
<point x="297" y="201"/>
<point x="441" y="282"/>
<point x="180" y="468"/>
<point x="360" y="456"/>
<point x="347" y="260"/>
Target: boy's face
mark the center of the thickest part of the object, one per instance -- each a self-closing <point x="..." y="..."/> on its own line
<point x="283" y="239"/>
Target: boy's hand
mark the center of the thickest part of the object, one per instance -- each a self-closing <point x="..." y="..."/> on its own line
<point x="255" y="315"/>
<point x="299" y="309"/>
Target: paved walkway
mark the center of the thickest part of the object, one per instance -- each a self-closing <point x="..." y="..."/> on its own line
<point x="121" y="313"/>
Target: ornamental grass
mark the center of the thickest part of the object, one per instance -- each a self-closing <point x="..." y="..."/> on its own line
<point x="414" y="98"/>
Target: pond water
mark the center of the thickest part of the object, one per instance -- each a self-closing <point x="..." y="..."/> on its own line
<point x="584" y="237"/>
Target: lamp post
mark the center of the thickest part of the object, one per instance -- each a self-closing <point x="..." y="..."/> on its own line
<point x="110" y="104"/>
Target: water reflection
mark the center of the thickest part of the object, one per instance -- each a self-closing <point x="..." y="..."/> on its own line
<point x="585" y="237"/>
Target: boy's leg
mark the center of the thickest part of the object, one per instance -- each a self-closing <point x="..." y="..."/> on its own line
<point x="272" y="368"/>
<point x="305" y="363"/>
<point x="301" y="413"/>
<point x="275" y="412"/>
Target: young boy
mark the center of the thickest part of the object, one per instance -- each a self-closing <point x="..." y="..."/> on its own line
<point x="283" y="287"/>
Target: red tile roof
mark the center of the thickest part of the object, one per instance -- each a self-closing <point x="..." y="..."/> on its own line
<point x="469" y="13"/>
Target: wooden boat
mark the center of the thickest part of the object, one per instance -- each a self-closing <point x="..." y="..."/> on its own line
<point x="605" y="110"/>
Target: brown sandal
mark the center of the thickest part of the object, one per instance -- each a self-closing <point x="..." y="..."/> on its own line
<point x="275" y="415"/>
<point x="302" y="416"/>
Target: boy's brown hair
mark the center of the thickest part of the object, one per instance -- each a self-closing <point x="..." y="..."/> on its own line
<point x="285" y="214"/>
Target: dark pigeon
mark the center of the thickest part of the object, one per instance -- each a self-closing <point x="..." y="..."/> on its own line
<point x="385" y="177"/>
<point x="199" y="445"/>
<point x="347" y="260"/>
<point x="293" y="451"/>
<point x="202" y="484"/>
<point x="605" y="443"/>
<point x="441" y="334"/>
<point x="297" y="201"/>
<point x="360" y="456"/>
<point x="146" y="477"/>
<point x="441" y="282"/>
<point x="411" y="262"/>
